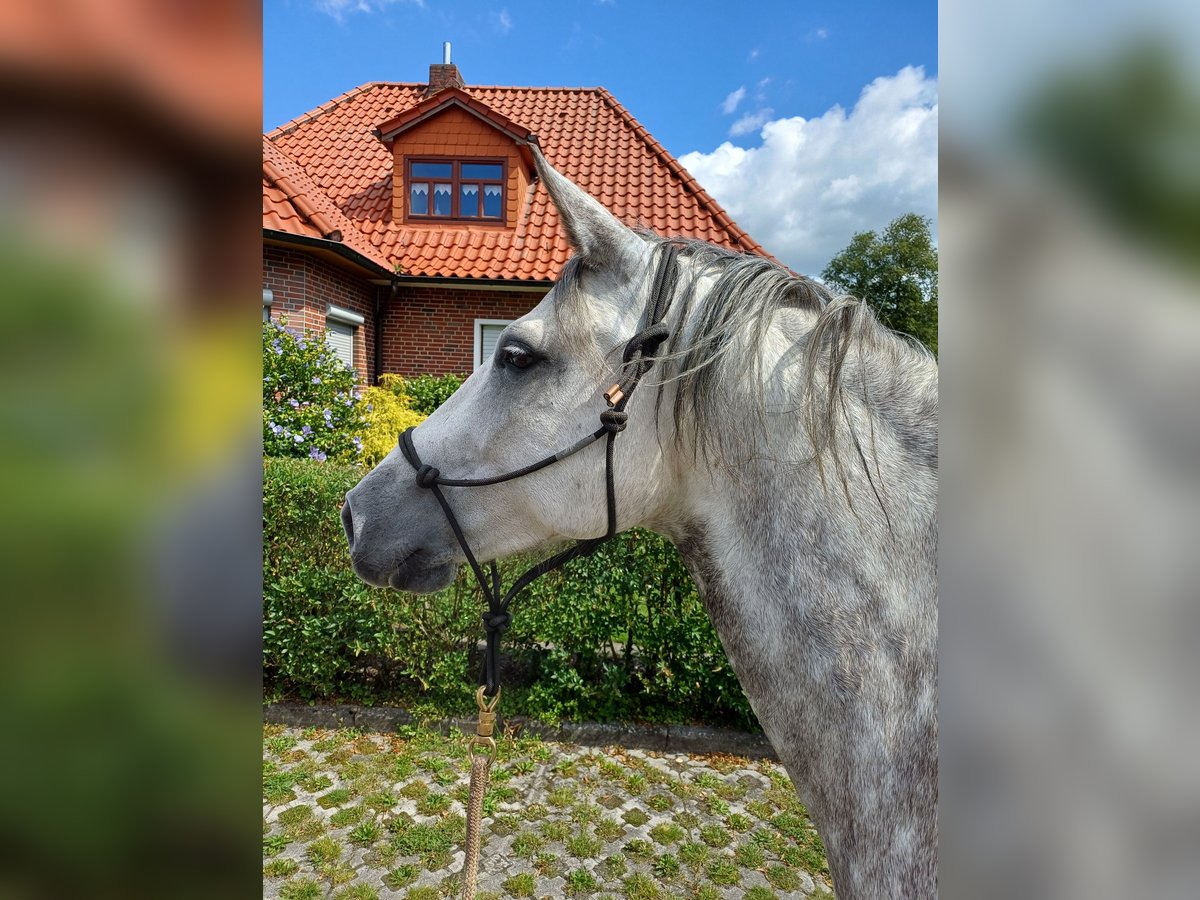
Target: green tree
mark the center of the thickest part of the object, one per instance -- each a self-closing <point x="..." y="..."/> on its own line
<point x="896" y="273"/>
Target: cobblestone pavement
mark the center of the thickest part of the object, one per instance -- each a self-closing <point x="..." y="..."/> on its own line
<point x="362" y="816"/>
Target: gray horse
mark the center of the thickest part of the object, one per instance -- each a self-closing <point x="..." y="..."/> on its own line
<point x="786" y="443"/>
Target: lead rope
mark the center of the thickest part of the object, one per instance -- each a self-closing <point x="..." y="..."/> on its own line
<point x="638" y="357"/>
<point x="483" y="752"/>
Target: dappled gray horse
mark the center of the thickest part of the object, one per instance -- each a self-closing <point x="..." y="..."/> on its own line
<point x="786" y="443"/>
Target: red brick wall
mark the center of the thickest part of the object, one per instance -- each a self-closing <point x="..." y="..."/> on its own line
<point x="304" y="285"/>
<point x="431" y="331"/>
<point x="426" y="330"/>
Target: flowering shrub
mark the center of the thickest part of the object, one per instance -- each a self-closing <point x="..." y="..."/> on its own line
<point x="310" y="409"/>
<point x="387" y="411"/>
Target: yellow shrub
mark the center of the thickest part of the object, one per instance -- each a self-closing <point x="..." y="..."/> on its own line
<point x="385" y="409"/>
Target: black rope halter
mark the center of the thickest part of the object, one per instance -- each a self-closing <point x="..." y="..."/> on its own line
<point x="639" y="356"/>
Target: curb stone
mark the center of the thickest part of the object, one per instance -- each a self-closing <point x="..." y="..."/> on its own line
<point x="662" y="738"/>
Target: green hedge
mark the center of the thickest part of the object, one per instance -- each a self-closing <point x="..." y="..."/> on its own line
<point x="427" y="392"/>
<point x="620" y="636"/>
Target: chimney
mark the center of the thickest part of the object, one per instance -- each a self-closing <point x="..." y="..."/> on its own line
<point x="443" y="75"/>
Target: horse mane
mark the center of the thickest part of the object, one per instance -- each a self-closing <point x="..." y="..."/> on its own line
<point x="847" y="358"/>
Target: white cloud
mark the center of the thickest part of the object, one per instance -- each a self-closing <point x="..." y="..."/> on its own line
<point x="754" y="54"/>
<point x="813" y="183"/>
<point x="503" y="21"/>
<point x="339" y="8"/>
<point x="732" y="101"/>
<point x="821" y="33"/>
<point x="751" y="121"/>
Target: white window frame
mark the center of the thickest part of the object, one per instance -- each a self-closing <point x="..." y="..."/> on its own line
<point x="268" y="300"/>
<point x="479" y="323"/>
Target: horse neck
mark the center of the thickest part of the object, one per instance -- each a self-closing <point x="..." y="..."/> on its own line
<point x="824" y="597"/>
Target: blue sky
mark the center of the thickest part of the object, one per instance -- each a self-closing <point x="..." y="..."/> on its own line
<point x="741" y="93"/>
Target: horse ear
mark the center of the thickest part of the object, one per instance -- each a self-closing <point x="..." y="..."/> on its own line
<point x="597" y="235"/>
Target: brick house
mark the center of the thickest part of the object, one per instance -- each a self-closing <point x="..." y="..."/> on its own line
<point x="407" y="219"/>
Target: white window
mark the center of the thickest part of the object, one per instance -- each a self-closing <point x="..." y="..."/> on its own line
<point x="487" y="333"/>
<point x="341" y="325"/>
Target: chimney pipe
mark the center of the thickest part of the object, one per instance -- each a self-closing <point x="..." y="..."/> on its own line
<point x="444" y="74"/>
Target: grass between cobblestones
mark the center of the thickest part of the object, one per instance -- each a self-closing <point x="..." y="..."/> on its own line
<point x="353" y="816"/>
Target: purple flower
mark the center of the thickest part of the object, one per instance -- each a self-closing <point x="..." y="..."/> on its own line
<point x="316" y="454"/>
<point x="276" y="429"/>
<point x="294" y="403"/>
<point x="298" y="438"/>
<point x="326" y="413"/>
<point x="358" y="443"/>
<point x="306" y="430"/>
<point x="316" y="379"/>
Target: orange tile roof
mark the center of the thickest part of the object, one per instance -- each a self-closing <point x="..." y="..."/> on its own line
<point x="584" y="133"/>
<point x="293" y="204"/>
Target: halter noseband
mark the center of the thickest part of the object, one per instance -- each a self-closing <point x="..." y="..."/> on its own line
<point x="640" y="354"/>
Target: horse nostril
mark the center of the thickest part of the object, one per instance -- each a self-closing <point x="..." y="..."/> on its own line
<point x="348" y="523"/>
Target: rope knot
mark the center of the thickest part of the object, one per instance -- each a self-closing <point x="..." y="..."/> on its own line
<point x="427" y="476"/>
<point x="614" y="420"/>
<point x="496" y="621"/>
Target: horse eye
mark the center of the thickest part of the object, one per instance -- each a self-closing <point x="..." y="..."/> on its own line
<point x="517" y="357"/>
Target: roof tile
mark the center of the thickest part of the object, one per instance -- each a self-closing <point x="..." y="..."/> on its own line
<point x="292" y="203"/>
<point x="584" y="132"/>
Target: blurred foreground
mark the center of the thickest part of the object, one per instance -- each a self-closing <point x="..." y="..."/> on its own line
<point x="1070" y="601"/>
<point x="130" y="548"/>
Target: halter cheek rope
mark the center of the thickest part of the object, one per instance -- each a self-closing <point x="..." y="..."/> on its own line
<point x="638" y="357"/>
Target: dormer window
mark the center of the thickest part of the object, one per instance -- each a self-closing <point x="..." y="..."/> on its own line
<point x="463" y="189"/>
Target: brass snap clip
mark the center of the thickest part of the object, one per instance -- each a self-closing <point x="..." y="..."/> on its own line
<point x="483" y="739"/>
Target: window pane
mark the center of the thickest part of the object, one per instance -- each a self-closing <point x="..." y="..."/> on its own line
<point x="418" y="199"/>
<point x="431" y="170"/>
<point x="468" y="200"/>
<point x="491" y="201"/>
<point x="441" y="199"/>
<point x="482" y="170"/>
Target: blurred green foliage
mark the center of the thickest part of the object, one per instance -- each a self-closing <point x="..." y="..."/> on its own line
<point x="621" y="635"/>
<point x="1126" y="134"/>
<point x="120" y="757"/>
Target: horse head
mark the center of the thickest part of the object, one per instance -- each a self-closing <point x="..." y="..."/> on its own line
<point x="542" y="391"/>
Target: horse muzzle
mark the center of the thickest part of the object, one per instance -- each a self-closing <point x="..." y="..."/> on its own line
<point x="382" y="555"/>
